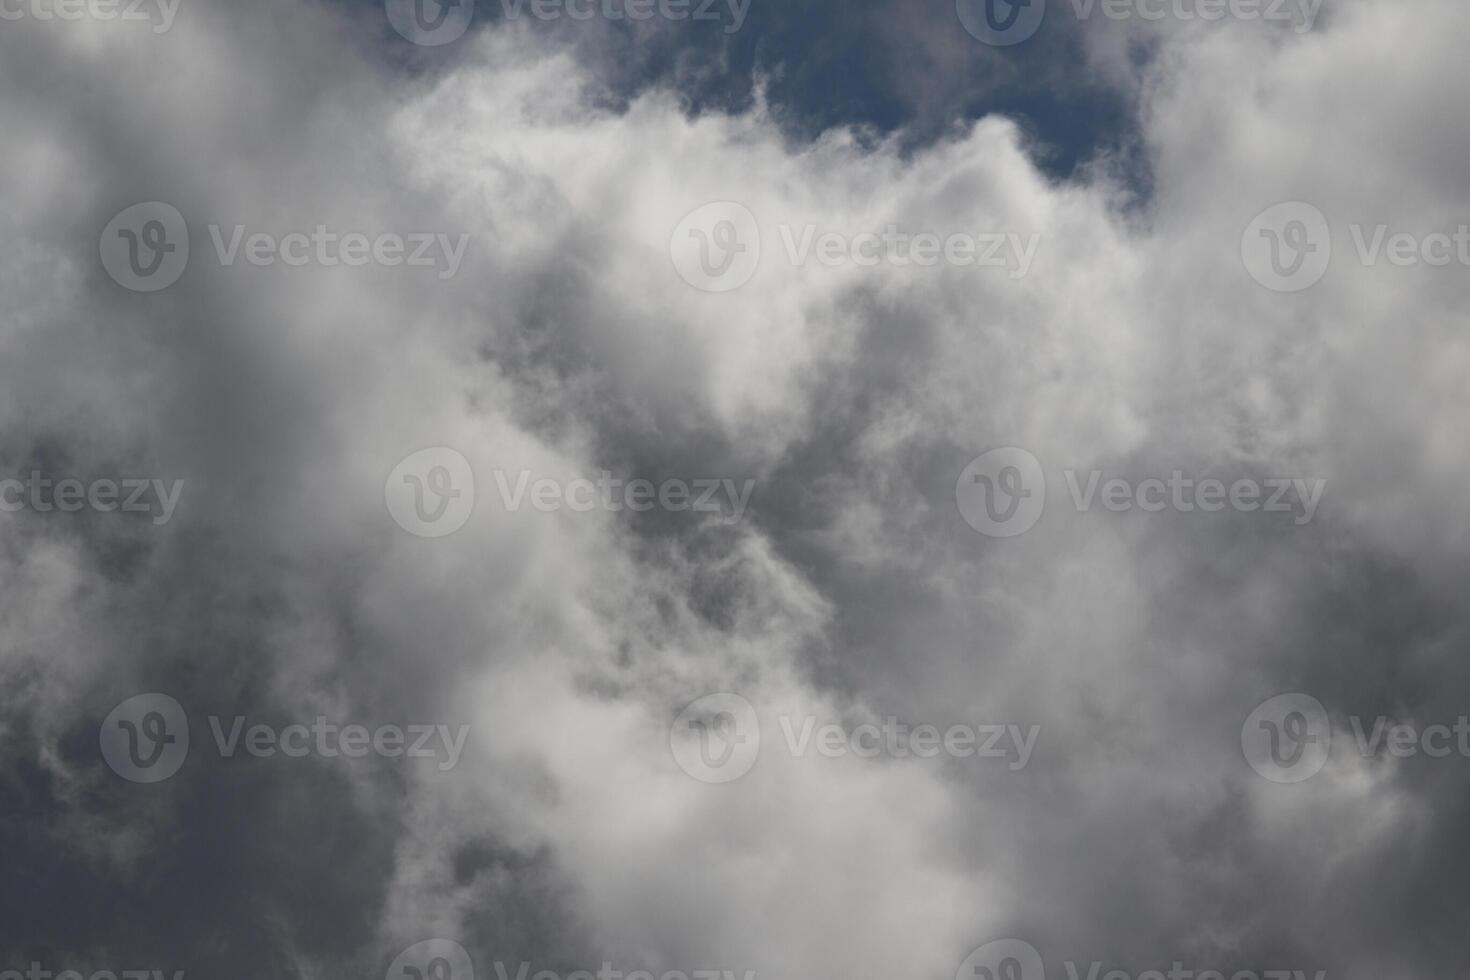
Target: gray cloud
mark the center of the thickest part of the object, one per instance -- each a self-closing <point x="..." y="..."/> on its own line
<point x="852" y="589"/>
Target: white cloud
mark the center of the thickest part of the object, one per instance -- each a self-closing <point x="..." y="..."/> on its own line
<point x="1137" y="342"/>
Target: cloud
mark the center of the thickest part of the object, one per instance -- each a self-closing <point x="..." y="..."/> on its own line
<point x="1136" y="342"/>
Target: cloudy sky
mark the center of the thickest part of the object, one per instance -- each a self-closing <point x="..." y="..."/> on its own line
<point x="806" y="490"/>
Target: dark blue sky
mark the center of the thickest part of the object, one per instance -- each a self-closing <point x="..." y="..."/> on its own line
<point x="885" y="64"/>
